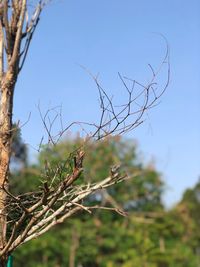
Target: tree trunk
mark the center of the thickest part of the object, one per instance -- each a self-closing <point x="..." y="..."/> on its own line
<point x="73" y="248"/>
<point x="3" y="261"/>
<point x="6" y="106"/>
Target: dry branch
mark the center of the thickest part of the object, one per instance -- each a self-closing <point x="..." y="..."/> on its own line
<point x="28" y="216"/>
<point x="51" y="206"/>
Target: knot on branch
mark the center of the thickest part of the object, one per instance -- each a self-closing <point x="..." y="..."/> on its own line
<point x="114" y="171"/>
<point x="78" y="159"/>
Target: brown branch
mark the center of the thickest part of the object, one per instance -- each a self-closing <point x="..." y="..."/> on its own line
<point x="1" y="52"/>
<point x="30" y="30"/>
<point x="7" y="29"/>
<point x="17" y="43"/>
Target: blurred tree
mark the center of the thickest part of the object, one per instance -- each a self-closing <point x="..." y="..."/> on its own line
<point x="148" y="237"/>
<point x="141" y="192"/>
<point x="19" y="151"/>
<point x="188" y="210"/>
<point x="102" y="243"/>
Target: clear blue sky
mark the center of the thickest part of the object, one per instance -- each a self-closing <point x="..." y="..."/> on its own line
<point x="108" y="36"/>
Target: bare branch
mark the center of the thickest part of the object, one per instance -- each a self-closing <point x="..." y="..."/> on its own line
<point x="29" y="215"/>
<point x="16" y="49"/>
<point x="1" y="52"/>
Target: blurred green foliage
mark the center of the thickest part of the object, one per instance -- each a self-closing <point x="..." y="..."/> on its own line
<point x="150" y="236"/>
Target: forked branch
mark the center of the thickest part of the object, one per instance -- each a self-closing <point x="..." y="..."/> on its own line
<point x="29" y="215"/>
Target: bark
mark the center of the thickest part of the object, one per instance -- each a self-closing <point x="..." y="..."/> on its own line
<point x="10" y="41"/>
<point x="6" y="106"/>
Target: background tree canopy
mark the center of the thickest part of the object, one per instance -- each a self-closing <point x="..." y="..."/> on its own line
<point x="149" y="236"/>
